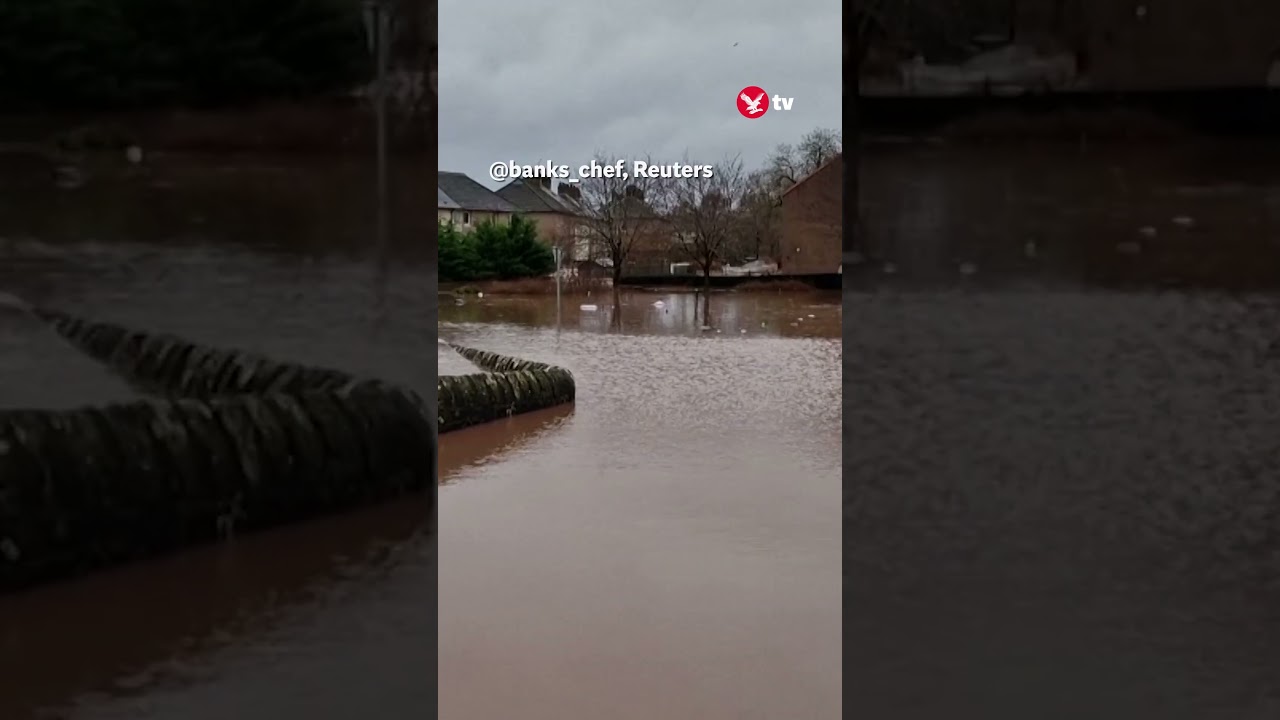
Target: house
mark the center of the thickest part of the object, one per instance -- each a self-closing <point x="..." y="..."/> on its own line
<point x="652" y="247"/>
<point x="466" y="203"/>
<point x="812" y="221"/>
<point x="558" y="213"/>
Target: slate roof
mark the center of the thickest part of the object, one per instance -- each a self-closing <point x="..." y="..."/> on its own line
<point x="467" y="194"/>
<point x="528" y="196"/>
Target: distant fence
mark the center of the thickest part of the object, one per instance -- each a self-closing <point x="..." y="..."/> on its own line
<point x="824" y="281"/>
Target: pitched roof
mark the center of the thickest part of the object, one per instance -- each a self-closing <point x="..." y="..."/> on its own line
<point x="838" y="157"/>
<point x="530" y="196"/>
<point x="445" y="202"/>
<point x="467" y="194"/>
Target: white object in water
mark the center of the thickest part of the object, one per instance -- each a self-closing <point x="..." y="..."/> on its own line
<point x="588" y="308"/>
<point x="890" y="268"/>
<point x="968" y="268"/>
<point x="705" y="328"/>
<point x="13" y="302"/>
<point x="812" y="315"/>
<point x="479" y="294"/>
<point x="133" y="154"/>
<point x="1030" y="248"/>
<point x="1183" y="221"/>
<point x="1147" y="231"/>
<point x="659" y="304"/>
<point x="743" y="331"/>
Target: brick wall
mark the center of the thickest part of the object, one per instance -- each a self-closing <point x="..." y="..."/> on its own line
<point x="812" y="217"/>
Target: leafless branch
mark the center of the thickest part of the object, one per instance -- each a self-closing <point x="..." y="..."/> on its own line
<point x="704" y="212"/>
<point x="619" y="211"/>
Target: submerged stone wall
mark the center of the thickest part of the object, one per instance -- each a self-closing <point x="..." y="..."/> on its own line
<point x="227" y="441"/>
<point x="162" y="364"/>
<point x="509" y="387"/>
<point x="232" y="441"/>
<point x="86" y="488"/>
<point x="168" y="365"/>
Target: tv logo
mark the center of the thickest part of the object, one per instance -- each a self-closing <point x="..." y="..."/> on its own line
<point x="754" y="102"/>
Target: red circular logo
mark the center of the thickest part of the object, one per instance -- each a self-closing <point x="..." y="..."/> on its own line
<point x="753" y="102"/>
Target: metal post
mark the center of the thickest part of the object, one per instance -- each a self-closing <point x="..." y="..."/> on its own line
<point x="378" y="25"/>
<point x="558" y="253"/>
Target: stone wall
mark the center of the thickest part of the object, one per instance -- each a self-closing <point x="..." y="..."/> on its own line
<point x="85" y="488"/>
<point x="509" y="386"/>
<point x="233" y="441"/>
<point x="168" y="365"/>
<point x="227" y="441"/>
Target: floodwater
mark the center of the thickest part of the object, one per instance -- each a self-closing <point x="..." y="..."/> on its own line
<point x="664" y="548"/>
<point x="667" y="547"/>
<point x="1061" y="449"/>
<point x="329" y="619"/>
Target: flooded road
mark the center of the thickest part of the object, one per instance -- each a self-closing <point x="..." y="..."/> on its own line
<point x="327" y="619"/>
<point x="1064" y="467"/>
<point x="667" y="548"/>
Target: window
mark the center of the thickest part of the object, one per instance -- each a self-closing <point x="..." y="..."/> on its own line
<point x="466" y="218"/>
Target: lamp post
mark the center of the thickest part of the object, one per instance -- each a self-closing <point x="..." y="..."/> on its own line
<point x="558" y="253"/>
<point x="377" y="23"/>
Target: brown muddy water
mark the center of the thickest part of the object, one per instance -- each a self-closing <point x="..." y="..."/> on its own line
<point x="669" y="546"/>
<point x="664" y="548"/>
<point x="329" y="619"/>
<point x="1061" y="448"/>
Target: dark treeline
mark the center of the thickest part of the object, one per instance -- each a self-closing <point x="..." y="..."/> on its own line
<point x="123" y="54"/>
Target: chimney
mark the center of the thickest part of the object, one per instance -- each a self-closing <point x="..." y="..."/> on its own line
<point x="570" y="191"/>
<point x="545" y="182"/>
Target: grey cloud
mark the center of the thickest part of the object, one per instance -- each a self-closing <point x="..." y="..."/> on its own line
<point x="532" y="82"/>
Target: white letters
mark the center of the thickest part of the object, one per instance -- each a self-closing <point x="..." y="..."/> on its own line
<point x="675" y="170"/>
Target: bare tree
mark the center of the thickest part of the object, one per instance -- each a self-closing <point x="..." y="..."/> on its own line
<point x="704" y="213"/>
<point x="619" y="213"/>
<point x="761" y="215"/>
<point x="790" y="163"/>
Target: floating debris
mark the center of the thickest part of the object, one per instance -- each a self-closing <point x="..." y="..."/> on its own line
<point x="1030" y="249"/>
<point x="1147" y="231"/>
<point x="588" y="308"/>
<point x="133" y="154"/>
<point x="890" y="268"/>
<point x="1183" y="221"/>
<point x="68" y="177"/>
<point x="968" y="268"/>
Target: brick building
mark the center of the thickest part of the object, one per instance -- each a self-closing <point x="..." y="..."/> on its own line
<point x="812" y="222"/>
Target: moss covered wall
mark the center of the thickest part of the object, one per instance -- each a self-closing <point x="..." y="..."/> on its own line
<point x="509" y="387"/>
<point x="227" y="441"/>
<point x="86" y="488"/>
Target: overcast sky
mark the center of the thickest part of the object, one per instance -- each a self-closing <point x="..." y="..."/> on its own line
<point x="533" y="82"/>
